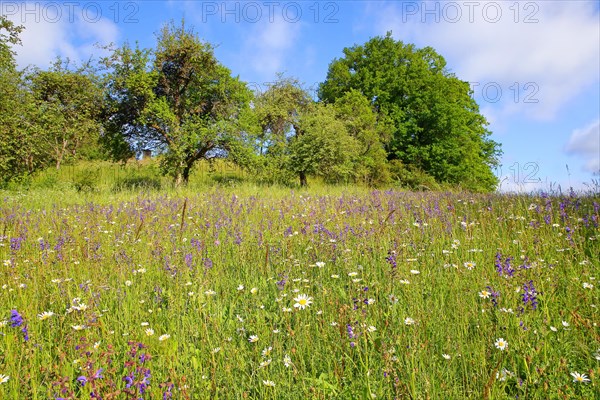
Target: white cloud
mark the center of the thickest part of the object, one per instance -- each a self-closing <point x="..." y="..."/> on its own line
<point x="585" y="142"/>
<point x="558" y="53"/>
<point x="270" y="45"/>
<point x="67" y="34"/>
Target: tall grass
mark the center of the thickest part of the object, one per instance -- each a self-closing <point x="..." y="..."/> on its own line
<point x="408" y="294"/>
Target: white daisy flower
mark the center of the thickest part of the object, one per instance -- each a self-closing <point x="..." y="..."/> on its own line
<point x="302" y="301"/>
<point x="501" y="344"/>
<point x="45" y="315"/>
<point x="579" y="378"/>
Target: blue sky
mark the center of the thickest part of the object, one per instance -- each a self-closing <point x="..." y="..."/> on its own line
<point x="534" y="66"/>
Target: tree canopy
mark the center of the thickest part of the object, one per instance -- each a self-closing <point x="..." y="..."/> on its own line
<point x="178" y="100"/>
<point x="20" y="143"/>
<point x="68" y="104"/>
<point x="299" y="137"/>
<point x="435" y="123"/>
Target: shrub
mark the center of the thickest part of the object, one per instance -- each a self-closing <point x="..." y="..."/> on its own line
<point x="86" y="180"/>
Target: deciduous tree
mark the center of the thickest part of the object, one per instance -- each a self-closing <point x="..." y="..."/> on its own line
<point x="19" y="137"/>
<point x="179" y="100"/>
<point x="278" y="110"/>
<point x="437" y="126"/>
<point x="69" y="104"/>
<point x="323" y="147"/>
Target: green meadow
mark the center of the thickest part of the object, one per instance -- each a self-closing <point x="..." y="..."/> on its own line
<point x="120" y="287"/>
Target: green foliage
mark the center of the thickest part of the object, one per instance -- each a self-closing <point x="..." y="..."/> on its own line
<point x="45" y="116"/>
<point x="390" y="113"/>
<point x="278" y="110"/>
<point x="48" y="180"/>
<point x="323" y="146"/>
<point x="69" y="104"/>
<point x="360" y="120"/>
<point x="20" y="139"/>
<point x="435" y="123"/>
<point x="137" y="183"/>
<point x="177" y="99"/>
<point x="227" y="179"/>
<point x="299" y="137"/>
<point x="10" y="36"/>
<point x="275" y="170"/>
<point x="410" y="177"/>
<point x="86" y="180"/>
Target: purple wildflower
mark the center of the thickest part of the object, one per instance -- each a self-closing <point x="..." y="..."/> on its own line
<point x="16" y="319"/>
<point x="391" y="259"/>
<point x="143" y="385"/>
<point x="530" y="295"/>
<point x="499" y="263"/>
<point x="525" y="264"/>
<point x="522" y="325"/>
<point x="168" y="394"/>
<point x="15" y="243"/>
<point x="504" y="268"/>
<point x="189" y="260"/>
<point x="350" y="331"/>
<point x="281" y="283"/>
<point x="495" y="295"/>
<point x="82" y="380"/>
<point x="128" y="381"/>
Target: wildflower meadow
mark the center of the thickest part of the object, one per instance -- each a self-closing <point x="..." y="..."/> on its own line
<point x="257" y="293"/>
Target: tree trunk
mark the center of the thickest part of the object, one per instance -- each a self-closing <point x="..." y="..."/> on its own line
<point x="178" y="179"/>
<point x="303" y="181"/>
<point x="60" y="154"/>
<point x="183" y="175"/>
<point x="186" y="173"/>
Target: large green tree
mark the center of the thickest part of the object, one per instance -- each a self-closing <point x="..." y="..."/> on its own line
<point x="278" y="110"/>
<point x="179" y="100"/>
<point x="361" y="123"/>
<point x="435" y="124"/>
<point x="69" y="104"/>
<point x="20" y="143"/>
<point x="300" y="138"/>
<point x="323" y="147"/>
